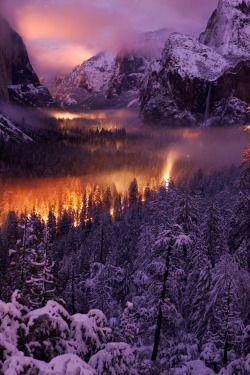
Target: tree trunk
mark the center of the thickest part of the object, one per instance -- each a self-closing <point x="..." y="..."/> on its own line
<point x="162" y="300"/>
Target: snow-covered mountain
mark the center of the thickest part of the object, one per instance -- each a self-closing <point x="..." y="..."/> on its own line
<point x="206" y="79"/>
<point x="9" y="130"/>
<point x="109" y="79"/>
<point x="19" y="83"/>
<point x="86" y="81"/>
<point x="228" y="29"/>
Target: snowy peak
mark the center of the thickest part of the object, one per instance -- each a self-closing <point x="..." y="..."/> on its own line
<point x="106" y="80"/>
<point x="191" y="58"/>
<point x="91" y="77"/>
<point x="228" y="29"/>
<point x="95" y="72"/>
<point x="110" y="79"/>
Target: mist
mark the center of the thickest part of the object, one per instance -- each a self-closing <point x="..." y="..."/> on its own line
<point x="33" y="117"/>
<point x="60" y="35"/>
<point x="93" y="152"/>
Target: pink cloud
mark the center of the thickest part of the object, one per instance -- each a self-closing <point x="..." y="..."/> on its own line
<point x="92" y="25"/>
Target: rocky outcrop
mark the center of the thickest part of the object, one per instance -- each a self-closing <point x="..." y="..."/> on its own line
<point x="18" y="81"/>
<point x="202" y="81"/>
<point x="228" y="30"/>
<point x="127" y="79"/>
<point x="178" y="85"/>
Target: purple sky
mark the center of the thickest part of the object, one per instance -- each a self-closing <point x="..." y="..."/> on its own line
<point x="60" y="34"/>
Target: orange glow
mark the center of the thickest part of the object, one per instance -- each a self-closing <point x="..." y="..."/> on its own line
<point x="169" y="166"/>
<point x="71" y="116"/>
<point x="60" y="59"/>
<point x="62" y="194"/>
<point x="190" y="134"/>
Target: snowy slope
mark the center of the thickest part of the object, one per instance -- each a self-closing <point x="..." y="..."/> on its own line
<point x="228" y="29"/>
<point x="9" y="131"/>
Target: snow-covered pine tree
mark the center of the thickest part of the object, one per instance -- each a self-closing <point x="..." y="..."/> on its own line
<point x="22" y="254"/>
<point x="41" y="281"/>
<point x="196" y="298"/>
<point x="214" y="232"/>
<point x="169" y="243"/>
<point x="230" y="287"/>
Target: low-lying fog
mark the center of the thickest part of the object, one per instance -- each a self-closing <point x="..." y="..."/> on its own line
<point x="148" y="154"/>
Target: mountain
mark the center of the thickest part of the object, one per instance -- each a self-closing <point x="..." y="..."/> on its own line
<point x="85" y="82"/>
<point x="109" y="79"/>
<point x="228" y="29"/>
<point x="206" y="79"/>
<point x="19" y="83"/>
<point x="9" y="130"/>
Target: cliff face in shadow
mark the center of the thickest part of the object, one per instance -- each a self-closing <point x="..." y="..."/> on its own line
<point x="18" y="81"/>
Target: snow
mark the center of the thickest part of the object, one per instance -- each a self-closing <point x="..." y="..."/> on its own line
<point x="66" y="364"/>
<point x="191" y="58"/>
<point x="88" y="332"/>
<point x="228" y="32"/>
<point x="198" y="368"/>
<point x="11" y="131"/>
<point x="91" y="77"/>
<point x="116" y="358"/>
<point x="57" y="315"/>
<point x="23" y="365"/>
<point x="29" y="89"/>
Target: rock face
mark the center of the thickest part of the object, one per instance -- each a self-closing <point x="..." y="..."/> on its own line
<point x="206" y="80"/>
<point x="18" y="81"/>
<point x="109" y="79"/>
<point x="228" y="29"/>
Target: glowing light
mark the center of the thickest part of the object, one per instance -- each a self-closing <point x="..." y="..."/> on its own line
<point x="72" y="116"/>
<point x="190" y="134"/>
<point x="169" y="166"/>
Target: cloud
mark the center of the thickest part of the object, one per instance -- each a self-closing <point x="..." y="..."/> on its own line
<point x="94" y="25"/>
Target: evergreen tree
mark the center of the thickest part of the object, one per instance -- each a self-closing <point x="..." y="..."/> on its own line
<point x="41" y="281"/>
<point x="214" y="233"/>
<point x="169" y="242"/>
<point x="230" y="285"/>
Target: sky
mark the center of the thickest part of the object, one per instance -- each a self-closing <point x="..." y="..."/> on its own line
<point x="60" y="34"/>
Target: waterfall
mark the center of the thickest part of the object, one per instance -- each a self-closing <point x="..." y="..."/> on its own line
<point x="208" y="101"/>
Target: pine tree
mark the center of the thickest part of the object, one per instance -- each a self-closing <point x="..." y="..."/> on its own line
<point x="199" y="284"/>
<point x="214" y="233"/>
<point x="41" y="281"/>
<point x="21" y="256"/>
<point x="169" y="242"/>
<point x="230" y="285"/>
